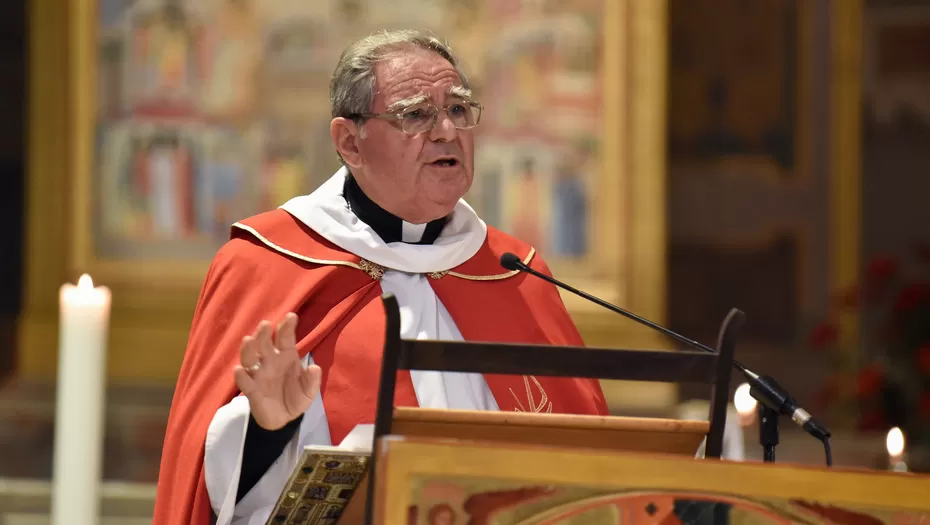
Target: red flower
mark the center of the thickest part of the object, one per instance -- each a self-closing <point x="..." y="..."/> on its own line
<point x="823" y="335"/>
<point x="881" y="269"/>
<point x="869" y="380"/>
<point x="872" y="420"/>
<point x="911" y="297"/>
<point x="923" y="359"/>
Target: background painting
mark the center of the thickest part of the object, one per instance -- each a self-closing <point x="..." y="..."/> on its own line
<point x="213" y="110"/>
<point x="747" y="211"/>
<point x="736" y="72"/>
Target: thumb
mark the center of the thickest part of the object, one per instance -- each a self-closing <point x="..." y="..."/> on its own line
<point x="310" y="380"/>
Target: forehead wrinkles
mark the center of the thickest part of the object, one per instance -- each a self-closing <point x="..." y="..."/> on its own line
<point x="401" y="78"/>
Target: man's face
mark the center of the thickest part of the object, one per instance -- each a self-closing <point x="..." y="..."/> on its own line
<point x="416" y="177"/>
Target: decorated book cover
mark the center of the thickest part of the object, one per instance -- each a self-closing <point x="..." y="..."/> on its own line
<point x="320" y="486"/>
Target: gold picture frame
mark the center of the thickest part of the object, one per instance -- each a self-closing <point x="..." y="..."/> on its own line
<point x="154" y="299"/>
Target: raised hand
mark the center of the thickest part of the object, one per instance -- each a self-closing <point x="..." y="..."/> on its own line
<point x="272" y="375"/>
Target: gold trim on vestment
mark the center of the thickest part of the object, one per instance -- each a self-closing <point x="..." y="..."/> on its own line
<point x="495" y="277"/>
<point x="375" y="270"/>
<point x="296" y="255"/>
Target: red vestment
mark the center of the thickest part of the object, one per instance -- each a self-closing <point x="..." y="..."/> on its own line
<point x="273" y="265"/>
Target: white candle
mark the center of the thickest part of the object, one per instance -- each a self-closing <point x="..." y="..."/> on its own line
<point x="895" y="444"/>
<point x="745" y="404"/>
<point x="79" y="413"/>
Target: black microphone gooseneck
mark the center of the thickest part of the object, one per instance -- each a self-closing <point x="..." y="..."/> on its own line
<point x="773" y="399"/>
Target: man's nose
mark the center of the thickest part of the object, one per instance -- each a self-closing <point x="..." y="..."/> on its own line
<point x="444" y="130"/>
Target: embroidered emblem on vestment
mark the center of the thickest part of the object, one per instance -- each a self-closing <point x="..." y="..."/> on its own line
<point x="543" y="406"/>
<point x="375" y="271"/>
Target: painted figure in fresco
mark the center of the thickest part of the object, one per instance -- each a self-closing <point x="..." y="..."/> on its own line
<point x="162" y="176"/>
<point x="491" y="195"/>
<point x="570" y="206"/>
<point x="441" y="514"/>
<point x="232" y="51"/>
<point x="125" y="213"/>
<point x="137" y="223"/>
<point x="283" y="176"/>
<point x="221" y="181"/>
<point x="526" y="217"/>
<point x="165" y="178"/>
<point x="163" y="52"/>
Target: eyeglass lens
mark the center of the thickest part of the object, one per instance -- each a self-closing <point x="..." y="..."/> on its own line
<point x="422" y="118"/>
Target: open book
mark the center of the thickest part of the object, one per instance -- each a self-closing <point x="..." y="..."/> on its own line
<point x="323" y="481"/>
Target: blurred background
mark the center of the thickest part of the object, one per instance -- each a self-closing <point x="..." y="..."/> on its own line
<point x="677" y="157"/>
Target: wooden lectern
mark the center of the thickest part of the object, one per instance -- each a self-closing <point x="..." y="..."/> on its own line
<point x="428" y="480"/>
<point x="579" y="432"/>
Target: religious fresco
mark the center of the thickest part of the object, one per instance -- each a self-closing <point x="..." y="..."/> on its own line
<point x="460" y="501"/>
<point x="192" y="134"/>
<point x="735" y="70"/>
<point x="747" y="226"/>
<point x="538" y="143"/>
<point x="210" y="111"/>
<point x="896" y="80"/>
<point x="896" y="130"/>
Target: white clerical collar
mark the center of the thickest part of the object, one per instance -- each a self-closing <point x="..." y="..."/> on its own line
<point x="326" y="212"/>
<point x="388" y="226"/>
<point x="412" y="233"/>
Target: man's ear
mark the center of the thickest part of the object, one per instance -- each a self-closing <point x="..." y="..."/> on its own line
<point x="345" y="136"/>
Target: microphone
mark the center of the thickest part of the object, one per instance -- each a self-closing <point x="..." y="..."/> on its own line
<point x="763" y="388"/>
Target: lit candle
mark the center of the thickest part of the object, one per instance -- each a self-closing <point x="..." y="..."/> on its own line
<point x="895" y="445"/>
<point x="745" y="404"/>
<point x="79" y="413"/>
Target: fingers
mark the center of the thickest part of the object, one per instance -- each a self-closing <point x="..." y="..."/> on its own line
<point x="262" y="348"/>
<point x="286" y="334"/>
<point x="264" y="344"/>
<point x="248" y="353"/>
<point x="244" y="381"/>
<point x="310" y="379"/>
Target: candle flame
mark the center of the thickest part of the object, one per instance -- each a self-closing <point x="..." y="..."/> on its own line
<point x="85" y="283"/>
<point x="743" y="401"/>
<point x="894" y="442"/>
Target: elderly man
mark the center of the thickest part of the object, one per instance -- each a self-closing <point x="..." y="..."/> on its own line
<point x="391" y="220"/>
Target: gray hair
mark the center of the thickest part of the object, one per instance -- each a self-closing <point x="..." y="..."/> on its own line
<point x="352" y="88"/>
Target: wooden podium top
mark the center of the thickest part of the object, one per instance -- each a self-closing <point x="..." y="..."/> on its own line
<point x="575" y="433"/>
<point x="633" y="434"/>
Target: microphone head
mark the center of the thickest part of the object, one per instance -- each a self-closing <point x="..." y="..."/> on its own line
<point x="511" y="262"/>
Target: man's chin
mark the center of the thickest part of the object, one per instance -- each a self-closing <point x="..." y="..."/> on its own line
<point x="448" y="194"/>
<point x="458" y="176"/>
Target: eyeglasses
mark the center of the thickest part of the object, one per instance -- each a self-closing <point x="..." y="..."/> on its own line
<point x="422" y="118"/>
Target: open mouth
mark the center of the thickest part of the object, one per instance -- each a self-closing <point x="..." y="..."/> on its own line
<point x="445" y="162"/>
